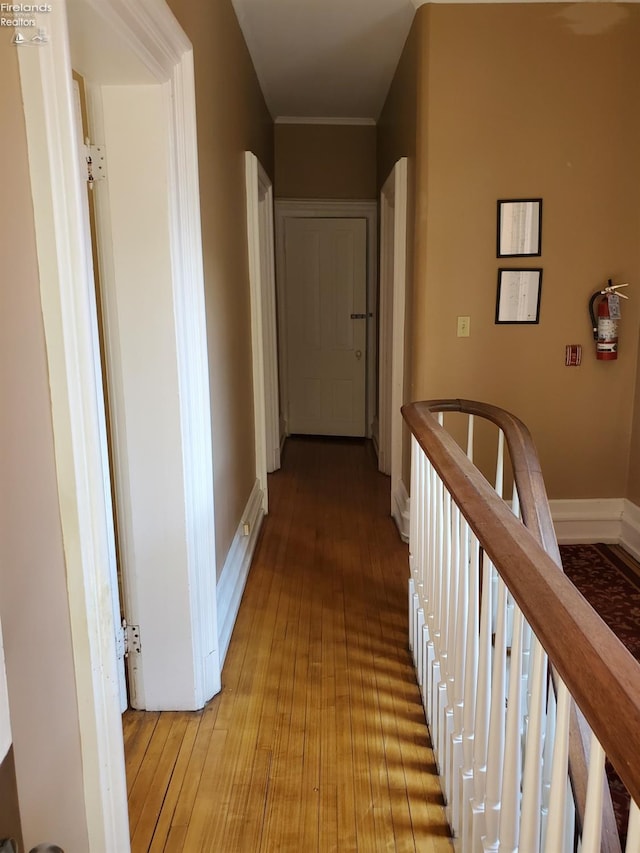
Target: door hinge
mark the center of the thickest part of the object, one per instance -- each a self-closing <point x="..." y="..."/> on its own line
<point x="131" y="639"/>
<point x="95" y="157"/>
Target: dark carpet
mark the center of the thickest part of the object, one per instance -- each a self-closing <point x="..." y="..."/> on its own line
<point x="609" y="579"/>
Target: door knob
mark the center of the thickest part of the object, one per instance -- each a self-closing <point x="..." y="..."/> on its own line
<point x="358" y="354"/>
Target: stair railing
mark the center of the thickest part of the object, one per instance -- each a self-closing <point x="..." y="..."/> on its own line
<point x="512" y="662"/>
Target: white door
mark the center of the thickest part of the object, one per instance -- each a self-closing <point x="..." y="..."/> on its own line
<point x="326" y="325"/>
<point x="82" y="132"/>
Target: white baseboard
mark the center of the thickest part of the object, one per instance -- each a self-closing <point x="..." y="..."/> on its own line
<point x="631" y="529"/>
<point x="613" y="520"/>
<point x="400" y="510"/>
<point x="236" y="568"/>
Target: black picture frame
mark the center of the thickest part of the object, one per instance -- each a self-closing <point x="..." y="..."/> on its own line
<point x="518" y="296"/>
<point x="519" y="232"/>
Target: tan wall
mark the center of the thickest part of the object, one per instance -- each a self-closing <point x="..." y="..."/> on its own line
<point x="553" y="115"/>
<point x="33" y="604"/>
<point x="232" y="118"/>
<point x="325" y="161"/>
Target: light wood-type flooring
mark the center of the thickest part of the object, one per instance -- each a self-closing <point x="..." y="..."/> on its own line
<point x="317" y="741"/>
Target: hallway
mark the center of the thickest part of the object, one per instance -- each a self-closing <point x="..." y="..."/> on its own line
<point x="317" y="741"/>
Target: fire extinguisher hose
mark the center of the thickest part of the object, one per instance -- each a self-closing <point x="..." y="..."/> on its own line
<point x="594" y="322"/>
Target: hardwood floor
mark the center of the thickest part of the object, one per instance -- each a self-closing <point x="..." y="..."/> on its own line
<point x="317" y="741"/>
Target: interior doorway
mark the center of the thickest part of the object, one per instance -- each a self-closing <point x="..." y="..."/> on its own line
<point x="140" y="89"/>
<point x="327" y="345"/>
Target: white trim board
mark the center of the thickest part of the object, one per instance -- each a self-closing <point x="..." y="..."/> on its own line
<point x="338" y="120"/>
<point x="236" y="567"/>
<point x="613" y="520"/>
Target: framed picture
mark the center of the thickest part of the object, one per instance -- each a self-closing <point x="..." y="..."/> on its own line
<point x="518" y="298"/>
<point x="519" y="227"/>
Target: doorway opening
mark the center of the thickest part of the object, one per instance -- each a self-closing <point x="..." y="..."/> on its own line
<point x="326" y="325"/>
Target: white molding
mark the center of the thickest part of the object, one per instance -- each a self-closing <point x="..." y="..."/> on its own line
<point x="316" y="208"/>
<point x="193" y="368"/>
<point x="400" y="510"/>
<point x="610" y="520"/>
<point x="236" y="567"/>
<point x="336" y="121"/>
<point x="149" y="29"/>
<point x="630" y="533"/>
<point x="589" y="520"/>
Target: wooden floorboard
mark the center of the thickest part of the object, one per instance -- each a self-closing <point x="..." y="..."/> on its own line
<point x="317" y="741"/>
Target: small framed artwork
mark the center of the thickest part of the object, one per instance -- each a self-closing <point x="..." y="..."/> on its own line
<point x="519" y="227"/>
<point x="518" y="298"/>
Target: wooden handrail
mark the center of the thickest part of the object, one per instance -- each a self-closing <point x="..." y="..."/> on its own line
<point x="600" y="673"/>
<point x="525" y="464"/>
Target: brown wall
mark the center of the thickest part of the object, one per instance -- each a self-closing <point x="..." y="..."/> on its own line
<point x="33" y="606"/>
<point x="232" y="118"/>
<point x="325" y="161"/>
<point x="552" y="115"/>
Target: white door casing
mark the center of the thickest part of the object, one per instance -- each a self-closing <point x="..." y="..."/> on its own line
<point x="325" y="309"/>
<point x="393" y="272"/>
<point x="264" y="347"/>
<point x="148" y="31"/>
<point x="286" y="209"/>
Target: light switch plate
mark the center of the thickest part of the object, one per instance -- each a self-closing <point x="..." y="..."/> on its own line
<point x="463" y="327"/>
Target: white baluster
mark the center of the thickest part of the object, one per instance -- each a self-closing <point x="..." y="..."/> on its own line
<point x="450" y="668"/>
<point x="462" y="615"/>
<point x="442" y="682"/>
<point x="555" y="822"/>
<point x="497" y="722"/>
<point x="532" y="777"/>
<point x="483" y="704"/>
<point x="510" y="809"/>
<point x="500" y="464"/>
<point x="592" y="827"/>
<point x="415" y="511"/>
<point x="633" y="829"/>
<point x="470" y="425"/>
<point x="470" y="691"/>
<point x="433" y="598"/>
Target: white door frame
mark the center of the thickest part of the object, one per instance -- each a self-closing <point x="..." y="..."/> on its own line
<point x="69" y="314"/>
<point x="393" y="281"/>
<point x="264" y="347"/>
<point x="334" y="209"/>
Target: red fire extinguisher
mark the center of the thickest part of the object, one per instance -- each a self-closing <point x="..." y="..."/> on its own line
<point x="605" y="319"/>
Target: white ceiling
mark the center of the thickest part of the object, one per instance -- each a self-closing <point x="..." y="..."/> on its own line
<point x="325" y="58"/>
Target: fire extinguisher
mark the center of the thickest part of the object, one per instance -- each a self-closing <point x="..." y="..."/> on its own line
<point x="604" y="320"/>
